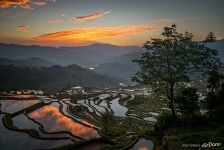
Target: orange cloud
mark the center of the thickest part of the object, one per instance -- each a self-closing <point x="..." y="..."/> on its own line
<point x="22" y="28"/>
<point x="22" y="3"/>
<point x="39" y="3"/>
<point x="8" y="3"/>
<point x="172" y="20"/>
<point x="90" y="17"/>
<point x="82" y="36"/>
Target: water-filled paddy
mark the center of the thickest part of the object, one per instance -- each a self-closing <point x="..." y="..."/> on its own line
<point x="54" y="121"/>
<point x="11" y="106"/>
<point x="75" y="120"/>
<point x="10" y="140"/>
<point x="143" y="144"/>
<point x="118" y="109"/>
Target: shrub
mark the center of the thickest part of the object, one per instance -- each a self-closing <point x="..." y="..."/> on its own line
<point x="187" y="102"/>
<point x="219" y="135"/>
<point x="164" y="122"/>
<point x="107" y="120"/>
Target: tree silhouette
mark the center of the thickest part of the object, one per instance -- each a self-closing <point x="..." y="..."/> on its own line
<point x="169" y="61"/>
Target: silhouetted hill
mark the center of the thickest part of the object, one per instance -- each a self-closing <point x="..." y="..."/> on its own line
<point x="56" y="55"/>
<point x="29" y="62"/>
<point x="219" y="45"/>
<point x="123" y="67"/>
<point x="96" y="54"/>
<point x="85" y="56"/>
<point x="52" y="78"/>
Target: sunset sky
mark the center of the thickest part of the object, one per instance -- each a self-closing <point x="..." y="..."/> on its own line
<point x="118" y="22"/>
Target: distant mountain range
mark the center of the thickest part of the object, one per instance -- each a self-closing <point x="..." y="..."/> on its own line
<point x="102" y="58"/>
<point x="219" y="45"/>
<point x="123" y="67"/>
<point x="85" y="56"/>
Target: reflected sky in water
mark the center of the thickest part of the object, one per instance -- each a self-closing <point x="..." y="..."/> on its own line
<point x="53" y="121"/>
<point x="11" y="106"/>
<point x="143" y="148"/>
<point x="143" y="144"/>
<point x="118" y="109"/>
<point x="11" y="140"/>
<point x="20" y="96"/>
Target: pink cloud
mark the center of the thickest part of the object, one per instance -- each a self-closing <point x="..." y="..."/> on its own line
<point x="22" y="28"/>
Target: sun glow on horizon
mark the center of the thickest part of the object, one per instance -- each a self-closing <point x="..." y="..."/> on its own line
<point x="73" y="23"/>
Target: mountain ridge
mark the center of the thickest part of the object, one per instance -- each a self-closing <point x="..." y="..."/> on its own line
<point x="85" y="56"/>
<point x="29" y="62"/>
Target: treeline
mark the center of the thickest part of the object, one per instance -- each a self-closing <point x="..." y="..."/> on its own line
<point x="50" y="78"/>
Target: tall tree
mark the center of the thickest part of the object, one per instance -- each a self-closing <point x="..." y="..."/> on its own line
<point x="215" y="96"/>
<point x="169" y="61"/>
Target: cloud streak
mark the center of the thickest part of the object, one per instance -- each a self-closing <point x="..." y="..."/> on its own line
<point x="39" y="3"/>
<point x="82" y="36"/>
<point x="22" y="28"/>
<point x="90" y="16"/>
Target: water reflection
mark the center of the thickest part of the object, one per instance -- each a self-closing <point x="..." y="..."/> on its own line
<point x="53" y="121"/>
<point x="65" y="109"/>
<point x="143" y="148"/>
<point x="118" y="109"/>
<point x="11" y="140"/>
<point x="150" y="119"/>
<point x="143" y="144"/>
<point x="11" y="106"/>
<point x="22" y="122"/>
<point x="19" y="96"/>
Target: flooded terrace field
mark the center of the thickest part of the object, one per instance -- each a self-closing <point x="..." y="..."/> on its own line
<point x="60" y="122"/>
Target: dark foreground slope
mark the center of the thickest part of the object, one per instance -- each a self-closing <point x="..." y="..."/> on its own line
<point x="51" y="78"/>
